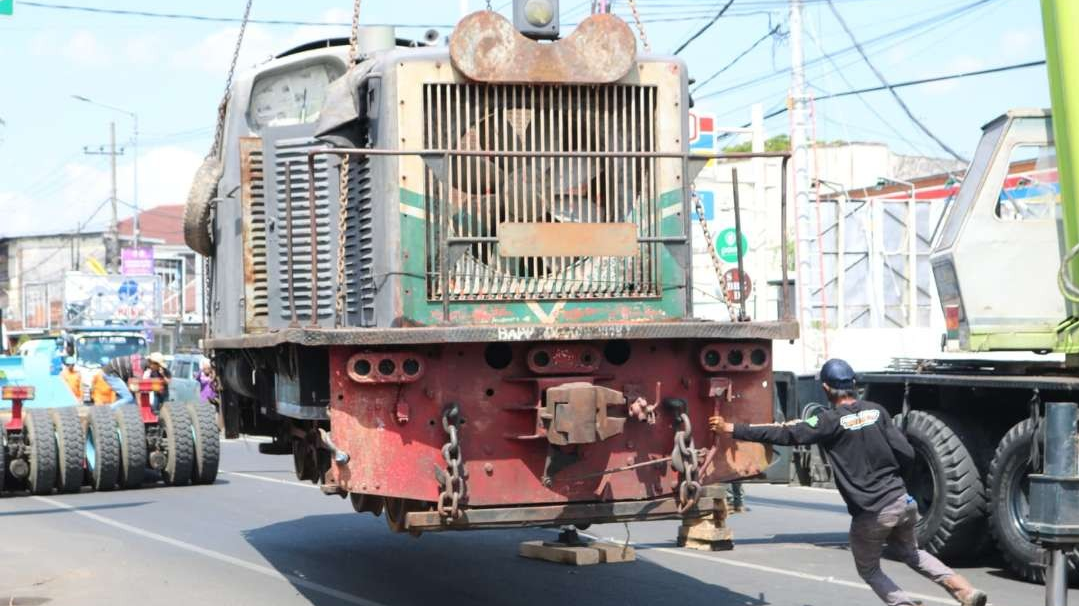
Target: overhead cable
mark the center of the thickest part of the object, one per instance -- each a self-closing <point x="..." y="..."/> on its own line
<point x="891" y="89"/>
<point x="705" y="28"/>
<point x="771" y="32"/>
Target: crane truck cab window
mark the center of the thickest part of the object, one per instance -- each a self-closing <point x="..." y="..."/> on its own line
<point x="290" y="97"/>
<point x="1031" y="189"/>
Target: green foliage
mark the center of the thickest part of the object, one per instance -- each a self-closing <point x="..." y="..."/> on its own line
<point x="776" y="143"/>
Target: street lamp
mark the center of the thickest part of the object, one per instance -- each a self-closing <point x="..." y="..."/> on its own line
<point x="912" y="248"/>
<point x="134" y="161"/>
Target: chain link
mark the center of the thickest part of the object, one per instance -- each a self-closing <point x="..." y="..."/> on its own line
<point x="640" y="25"/>
<point x="453" y="484"/>
<point x="685" y="460"/>
<point x="342" y="197"/>
<point x="219" y="130"/>
<point x="717" y="264"/>
<point x="489" y="9"/>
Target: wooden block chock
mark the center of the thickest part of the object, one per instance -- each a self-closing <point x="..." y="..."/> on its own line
<point x="570" y="549"/>
<point x="708" y="533"/>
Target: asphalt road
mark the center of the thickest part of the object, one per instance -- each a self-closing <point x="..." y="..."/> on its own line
<point x="259" y="537"/>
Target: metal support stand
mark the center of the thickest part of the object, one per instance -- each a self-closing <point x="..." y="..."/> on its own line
<point x="1054" y="497"/>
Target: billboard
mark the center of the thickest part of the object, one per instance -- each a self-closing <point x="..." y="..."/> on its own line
<point x="137" y="261"/>
<point x="113" y="300"/>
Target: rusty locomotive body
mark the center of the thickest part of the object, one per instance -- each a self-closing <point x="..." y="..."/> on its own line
<point x="491" y="326"/>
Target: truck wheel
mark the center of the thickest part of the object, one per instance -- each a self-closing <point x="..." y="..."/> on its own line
<point x="207" y="440"/>
<point x="175" y="427"/>
<point x="102" y="448"/>
<point x="947" y="485"/>
<point x="132" y="445"/>
<point x="1008" y="493"/>
<point x="70" y="448"/>
<point x="38" y="436"/>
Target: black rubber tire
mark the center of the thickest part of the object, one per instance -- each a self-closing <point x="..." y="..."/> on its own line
<point x="102" y="448"/>
<point x="175" y="427"/>
<point x="38" y="435"/>
<point x="70" y="448"/>
<point x="132" y="435"/>
<point x="1008" y="498"/>
<point x="207" y="442"/>
<point x="947" y="484"/>
<point x="196" y="219"/>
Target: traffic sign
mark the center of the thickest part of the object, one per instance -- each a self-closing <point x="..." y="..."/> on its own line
<point x="733" y="287"/>
<point x="702" y="132"/>
<point x="726" y="245"/>
<point x="7" y="7"/>
<point x="707" y="199"/>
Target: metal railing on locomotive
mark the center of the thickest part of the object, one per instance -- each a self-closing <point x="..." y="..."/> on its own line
<point x="434" y="156"/>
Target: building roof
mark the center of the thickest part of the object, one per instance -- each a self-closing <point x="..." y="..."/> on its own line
<point x="164" y="223"/>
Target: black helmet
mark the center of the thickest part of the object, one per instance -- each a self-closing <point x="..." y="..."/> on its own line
<point x="837" y="374"/>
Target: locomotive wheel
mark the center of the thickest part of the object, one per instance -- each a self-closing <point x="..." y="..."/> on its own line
<point x="38" y="436"/>
<point x="70" y="448"/>
<point x="175" y="427"/>
<point x="102" y="448"/>
<point x="207" y="442"/>
<point x="132" y="445"/>
<point x="947" y="485"/>
<point x="1009" y="492"/>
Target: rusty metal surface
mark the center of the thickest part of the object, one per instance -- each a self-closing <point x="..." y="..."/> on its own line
<point x="559" y="515"/>
<point x="253" y="208"/>
<point x="505" y="452"/>
<point x="690" y="329"/>
<point x="487" y="48"/>
<point x="577" y="413"/>
<point x="567" y="240"/>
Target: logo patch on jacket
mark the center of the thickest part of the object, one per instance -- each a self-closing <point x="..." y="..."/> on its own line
<point x="860" y="419"/>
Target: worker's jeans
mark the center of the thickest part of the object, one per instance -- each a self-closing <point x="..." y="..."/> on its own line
<point x="893" y="526"/>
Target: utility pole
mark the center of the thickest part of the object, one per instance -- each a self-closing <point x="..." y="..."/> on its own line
<point x="800" y="161"/>
<point x="112" y="251"/>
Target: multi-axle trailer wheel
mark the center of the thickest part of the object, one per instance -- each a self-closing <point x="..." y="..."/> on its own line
<point x="58" y="449"/>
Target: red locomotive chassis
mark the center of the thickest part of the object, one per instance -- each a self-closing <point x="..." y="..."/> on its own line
<point x="543" y="422"/>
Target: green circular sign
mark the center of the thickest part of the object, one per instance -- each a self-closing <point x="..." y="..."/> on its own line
<point x="726" y="246"/>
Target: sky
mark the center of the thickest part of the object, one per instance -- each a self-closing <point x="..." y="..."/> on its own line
<point x="171" y="73"/>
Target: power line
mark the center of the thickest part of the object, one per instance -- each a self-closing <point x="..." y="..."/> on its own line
<point x="771" y="32"/>
<point x="706" y="27"/>
<point x="980" y="72"/>
<point x="891" y="89"/>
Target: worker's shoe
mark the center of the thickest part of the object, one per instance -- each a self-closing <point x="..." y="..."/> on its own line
<point x="963" y="591"/>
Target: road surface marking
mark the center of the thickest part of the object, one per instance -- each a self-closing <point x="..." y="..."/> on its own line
<point x="215" y="555"/>
<point x="790" y="573"/>
<point x="265" y="479"/>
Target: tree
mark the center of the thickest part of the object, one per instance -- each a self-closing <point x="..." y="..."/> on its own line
<point x="776" y="143"/>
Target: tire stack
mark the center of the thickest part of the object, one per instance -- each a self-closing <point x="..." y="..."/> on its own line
<point x="108" y="449"/>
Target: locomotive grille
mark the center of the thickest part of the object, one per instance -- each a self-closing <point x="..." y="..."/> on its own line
<point x="254" y="202"/>
<point x="482" y="193"/>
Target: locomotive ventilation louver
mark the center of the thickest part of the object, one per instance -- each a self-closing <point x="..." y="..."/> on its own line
<point x="483" y="193"/>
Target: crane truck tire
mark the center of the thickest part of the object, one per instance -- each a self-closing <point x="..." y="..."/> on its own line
<point x="1008" y="493"/>
<point x="176" y="434"/>
<point x="70" y="448"/>
<point x="947" y="485"/>
<point x="197" y="209"/>
<point x="207" y="442"/>
<point x="102" y="448"/>
<point x="132" y="445"/>
<point x="38" y="436"/>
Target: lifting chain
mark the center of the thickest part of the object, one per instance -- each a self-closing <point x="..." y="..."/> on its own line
<point x="453" y="481"/>
<point x="342" y="197"/>
<point x="732" y="309"/>
<point x="489" y="9"/>
<point x="684" y="459"/>
<point x="219" y="130"/>
<point x="640" y="25"/>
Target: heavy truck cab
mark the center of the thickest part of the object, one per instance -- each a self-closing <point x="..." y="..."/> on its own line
<point x="998" y="238"/>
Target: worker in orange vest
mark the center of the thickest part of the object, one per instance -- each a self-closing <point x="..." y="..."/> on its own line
<point x="109" y="385"/>
<point x="72" y="377"/>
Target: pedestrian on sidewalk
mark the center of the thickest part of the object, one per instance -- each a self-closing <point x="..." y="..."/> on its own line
<point x="869" y="455"/>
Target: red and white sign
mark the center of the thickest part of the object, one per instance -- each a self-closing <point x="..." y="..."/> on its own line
<point x="702" y="132"/>
<point x="733" y="288"/>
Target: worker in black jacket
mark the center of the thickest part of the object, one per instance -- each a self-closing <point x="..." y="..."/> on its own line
<point x="868" y="455"/>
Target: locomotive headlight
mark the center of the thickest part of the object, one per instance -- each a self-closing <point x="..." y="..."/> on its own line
<point x="536" y="19"/>
<point x="539" y="13"/>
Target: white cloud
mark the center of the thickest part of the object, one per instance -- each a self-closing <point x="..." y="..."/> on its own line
<point x="79" y="188"/>
<point x="81" y="48"/>
<point x="1018" y="44"/>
